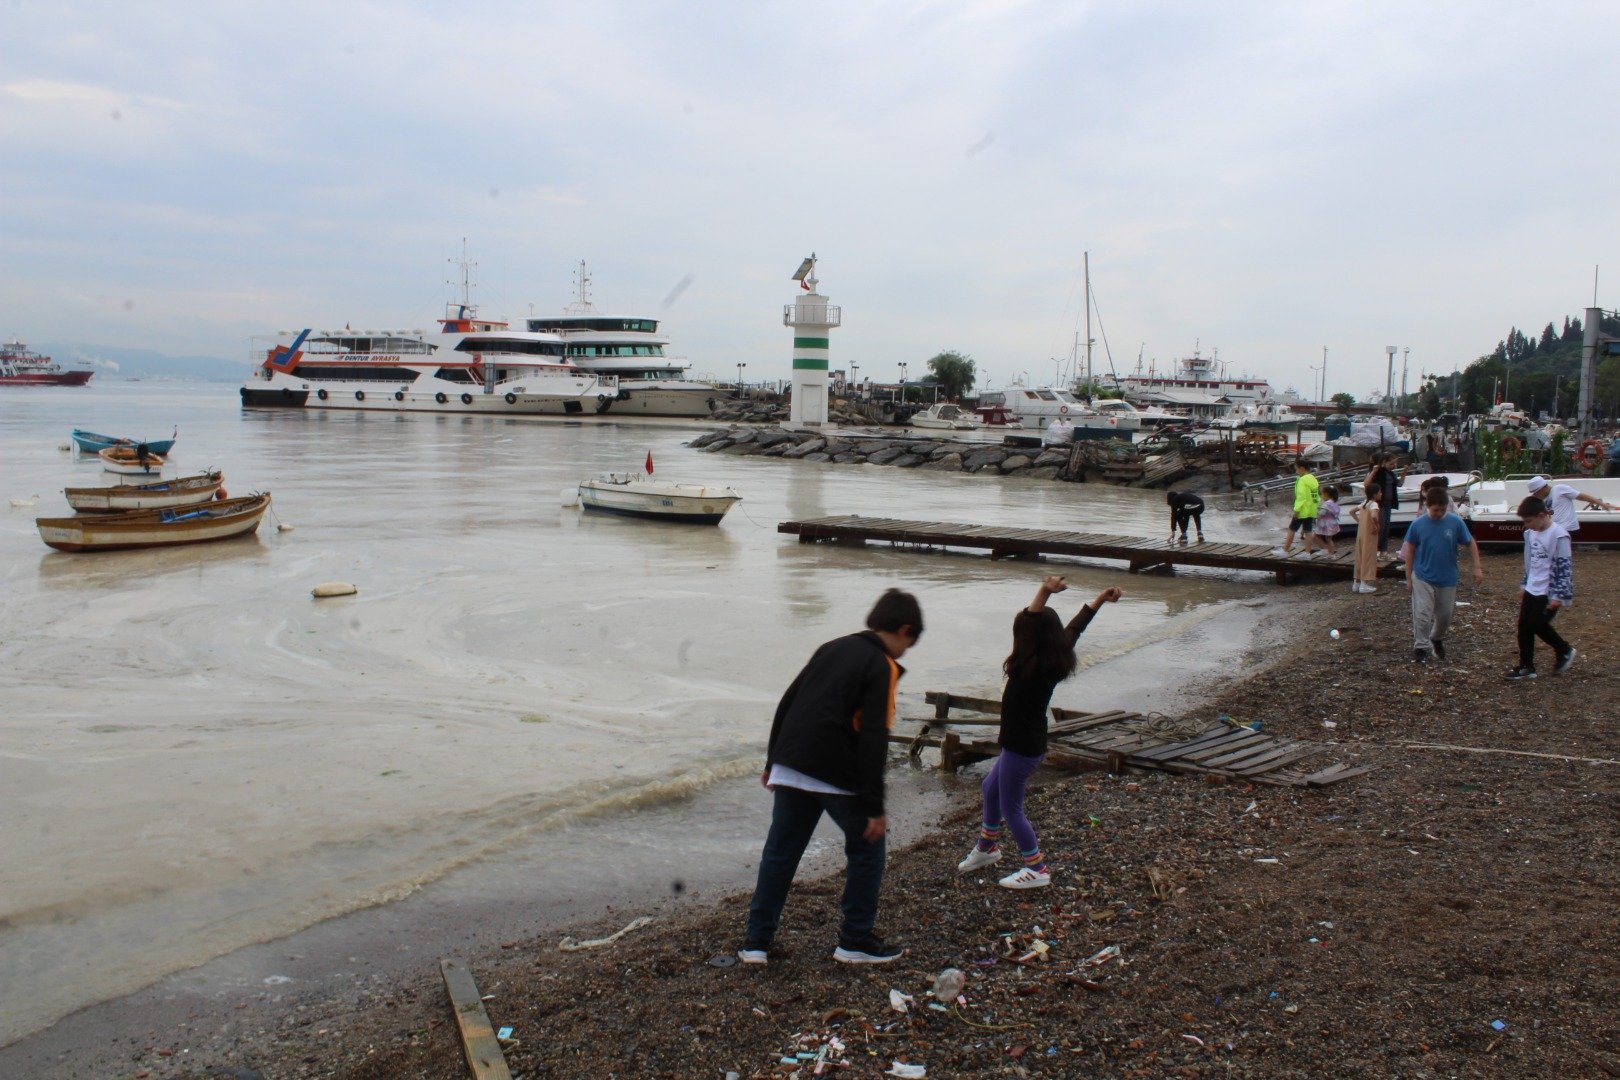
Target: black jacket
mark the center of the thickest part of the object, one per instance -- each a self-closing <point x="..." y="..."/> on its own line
<point x="833" y="723"/>
<point x="1024" y="701"/>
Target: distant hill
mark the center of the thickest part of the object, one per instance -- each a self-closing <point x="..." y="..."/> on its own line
<point x="120" y="363"/>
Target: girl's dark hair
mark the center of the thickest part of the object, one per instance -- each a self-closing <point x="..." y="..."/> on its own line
<point x="1372" y="492"/>
<point x="895" y="609"/>
<point x="1330" y="492"/>
<point x="1040" y="647"/>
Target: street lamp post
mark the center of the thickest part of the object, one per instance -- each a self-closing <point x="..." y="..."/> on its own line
<point x="740" y="367"/>
<point x="1389" y="375"/>
<point x="902" y="380"/>
<point x="855" y="377"/>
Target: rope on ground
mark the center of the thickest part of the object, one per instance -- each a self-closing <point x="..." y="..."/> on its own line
<point x="1515" y="753"/>
<point x="568" y="944"/>
<point x="962" y="1016"/>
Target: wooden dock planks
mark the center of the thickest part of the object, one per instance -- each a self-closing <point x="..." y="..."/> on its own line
<point x="1140" y="553"/>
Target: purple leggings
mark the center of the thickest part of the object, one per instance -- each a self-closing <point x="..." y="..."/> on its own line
<point x="1003" y="790"/>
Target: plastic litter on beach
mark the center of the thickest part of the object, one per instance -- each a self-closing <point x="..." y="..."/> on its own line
<point x="901" y="1069"/>
<point x="1498" y="1024"/>
<point x="899" y="1002"/>
<point x="503" y="1034"/>
<point x="948" y="985"/>
<point x="569" y="944"/>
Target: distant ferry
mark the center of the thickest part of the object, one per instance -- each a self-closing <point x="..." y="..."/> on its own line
<point x="471" y="366"/>
<point x="1196" y="381"/>
<point x="19" y="367"/>
<point x="629" y="348"/>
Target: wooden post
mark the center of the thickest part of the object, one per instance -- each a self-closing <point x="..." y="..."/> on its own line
<point x="948" y="751"/>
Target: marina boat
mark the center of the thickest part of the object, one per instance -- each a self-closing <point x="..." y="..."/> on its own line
<point x="1409" y="497"/>
<point x="629" y="349"/>
<point x="1494" y="505"/>
<point x="996" y="416"/>
<point x="21" y="367"/>
<point x="91" y="443"/>
<point x="1193" y="380"/>
<point x="1145" y="418"/>
<point x="1261" y="415"/>
<point x="945" y="415"/>
<point x="131" y="460"/>
<point x="1040" y="407"/>
<point x="635" y="495"/>
<point x="158" y="495"/>
<point x="155" y="528"/>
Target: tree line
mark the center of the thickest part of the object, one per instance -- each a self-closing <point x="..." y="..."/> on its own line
<point x="1539" y="373"/>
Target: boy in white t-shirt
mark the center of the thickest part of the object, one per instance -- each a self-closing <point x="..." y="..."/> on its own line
<point x="1548" y="586"/>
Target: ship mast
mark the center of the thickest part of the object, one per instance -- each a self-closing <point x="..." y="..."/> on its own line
<point x="582" y="291"/>
<point x="467" y="267"/>
<point x="1087" y="258"/>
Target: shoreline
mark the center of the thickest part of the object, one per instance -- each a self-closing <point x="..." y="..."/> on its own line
<point x="226" y="1010"/>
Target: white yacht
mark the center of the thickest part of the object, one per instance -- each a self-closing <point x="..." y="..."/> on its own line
<point x="630" y="349"/>
<point x="1145" y="418"/>
<point x="1039" y="407"/>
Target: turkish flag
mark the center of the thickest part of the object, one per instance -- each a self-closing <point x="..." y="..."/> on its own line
<point x="649" y="463"/>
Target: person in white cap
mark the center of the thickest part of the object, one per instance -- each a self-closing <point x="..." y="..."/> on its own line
<point x="1560" y="500"/>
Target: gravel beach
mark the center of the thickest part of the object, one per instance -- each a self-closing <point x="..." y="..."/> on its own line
<point x="1448" y="914"/>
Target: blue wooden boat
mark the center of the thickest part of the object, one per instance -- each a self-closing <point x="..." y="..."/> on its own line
<point x="91" y="443"/>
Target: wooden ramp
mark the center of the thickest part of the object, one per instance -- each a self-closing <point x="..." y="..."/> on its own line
<point x="1119" y="740"/>
<point x="1138" y="552"/>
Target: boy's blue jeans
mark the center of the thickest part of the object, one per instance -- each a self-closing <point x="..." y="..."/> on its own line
<point x="793" y="820"/>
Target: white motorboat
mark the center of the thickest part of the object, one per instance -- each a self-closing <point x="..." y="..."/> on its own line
<point x="635" y="495"/>
<point x="1144" y="418"/>
<point x="945" y="415"/>
<point x="1040" y="407"/>
<point x="1263" y="415"/>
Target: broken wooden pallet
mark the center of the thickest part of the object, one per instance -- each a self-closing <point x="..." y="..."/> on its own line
<point x="1117" y="740"/>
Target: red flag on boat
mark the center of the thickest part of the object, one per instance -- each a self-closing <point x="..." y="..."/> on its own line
<point x="649" y="463"/>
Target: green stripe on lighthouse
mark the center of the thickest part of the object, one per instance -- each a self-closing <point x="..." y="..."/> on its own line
<point x="809" y="363"/>
<point x="811" y="342"/>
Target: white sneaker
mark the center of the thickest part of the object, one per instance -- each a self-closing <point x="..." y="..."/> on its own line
<point x="1026" y="879"/>
<point x="978" y="858"/>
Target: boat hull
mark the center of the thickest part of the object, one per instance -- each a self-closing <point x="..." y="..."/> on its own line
<point x="654" y="400"/>
<point x="580" y="395"/>
<point x="702" y="507"/>
<point x="213" y="522"/>
<point x="64" y="378"/>
<point x="122" y="459"/>
<point x="92" y="443"/>
<point x="186" y="491"/>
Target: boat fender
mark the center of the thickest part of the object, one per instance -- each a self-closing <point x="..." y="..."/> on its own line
<point x="399" y="395"/>
<point x="511" y="399"/>
<point x="623" y="395"/>
<point x="221" y="494"/>
<point x="286" y="394"/>
<point x="359" y="395"/>
<point x="284" y="527"/>
<point x="466" y="399"/>
<point x="333" y="588"/>
<point x="1511" y="444"/>
<point x="440" y="398"/>
<point x="321" y="394"/>
<point x="601" y="399"/>
<point x="1064" y="409"/>
<point x="1589" y="455"/>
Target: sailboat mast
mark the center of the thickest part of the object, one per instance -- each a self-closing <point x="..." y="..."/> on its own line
<point x="1087" y="258"/>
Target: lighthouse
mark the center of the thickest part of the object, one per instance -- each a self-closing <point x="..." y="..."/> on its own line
<point x="812" y="320"/>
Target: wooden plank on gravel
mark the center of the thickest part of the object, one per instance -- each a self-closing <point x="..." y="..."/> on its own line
<point x="478" y="1040"/>
<point x="1240" y="758"/>
<point x="1222" y="746"/>
<point x="1333" y="774"/>
<point x="1170" y="750"/>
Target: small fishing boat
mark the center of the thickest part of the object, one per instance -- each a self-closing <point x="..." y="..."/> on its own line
<point x="1495" y="510"/>
<point x="943" y="414"/>
<point x="155" y="528"/>
<point x="92" y="443"/>
<point x="640" y="496"/>
<point x="138" y="460"/>
<point x="156" y="495"/>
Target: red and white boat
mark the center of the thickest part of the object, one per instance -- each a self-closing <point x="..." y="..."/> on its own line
<point x="20" y="367"/>
<point x="1494" y="510"/>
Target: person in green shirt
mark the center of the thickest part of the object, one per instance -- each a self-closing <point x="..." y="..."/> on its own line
<point x="1307" y="500"/>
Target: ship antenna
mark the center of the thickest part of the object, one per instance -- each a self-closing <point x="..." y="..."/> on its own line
<point x="467" y="266"/>
<point x="582" y="291"/>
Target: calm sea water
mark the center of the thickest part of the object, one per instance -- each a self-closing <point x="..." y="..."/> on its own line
<point x="196" y="755"/>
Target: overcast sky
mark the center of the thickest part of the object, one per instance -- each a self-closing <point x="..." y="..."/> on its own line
<point x="1264" y="179"/>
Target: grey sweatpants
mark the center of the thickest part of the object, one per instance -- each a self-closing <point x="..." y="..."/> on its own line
<point x="1432" y="606"/>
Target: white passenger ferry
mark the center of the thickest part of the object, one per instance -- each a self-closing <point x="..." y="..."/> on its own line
<point x="629" y="348"/>
<point x="472" y="365"/>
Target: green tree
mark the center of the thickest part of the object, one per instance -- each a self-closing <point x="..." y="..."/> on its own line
<point x="1342" y="401"/>
<point x="954" y="373"/>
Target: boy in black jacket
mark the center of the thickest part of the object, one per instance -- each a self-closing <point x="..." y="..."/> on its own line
<point x="829" y="743"/>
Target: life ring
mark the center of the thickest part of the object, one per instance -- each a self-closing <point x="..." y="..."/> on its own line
<point x="1589" y="455"/>
<point x="399" y="395"/>
<point x="321" y="394"/>
<point x="359" y="395"/>
<point x="1063" y="409"/>
<point x="286" y="394"/>
<point x="1511" y="444"/>
<point x="440" y="398"/>
<point x="511" y="399"/>
<point x="466" y="399"/>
